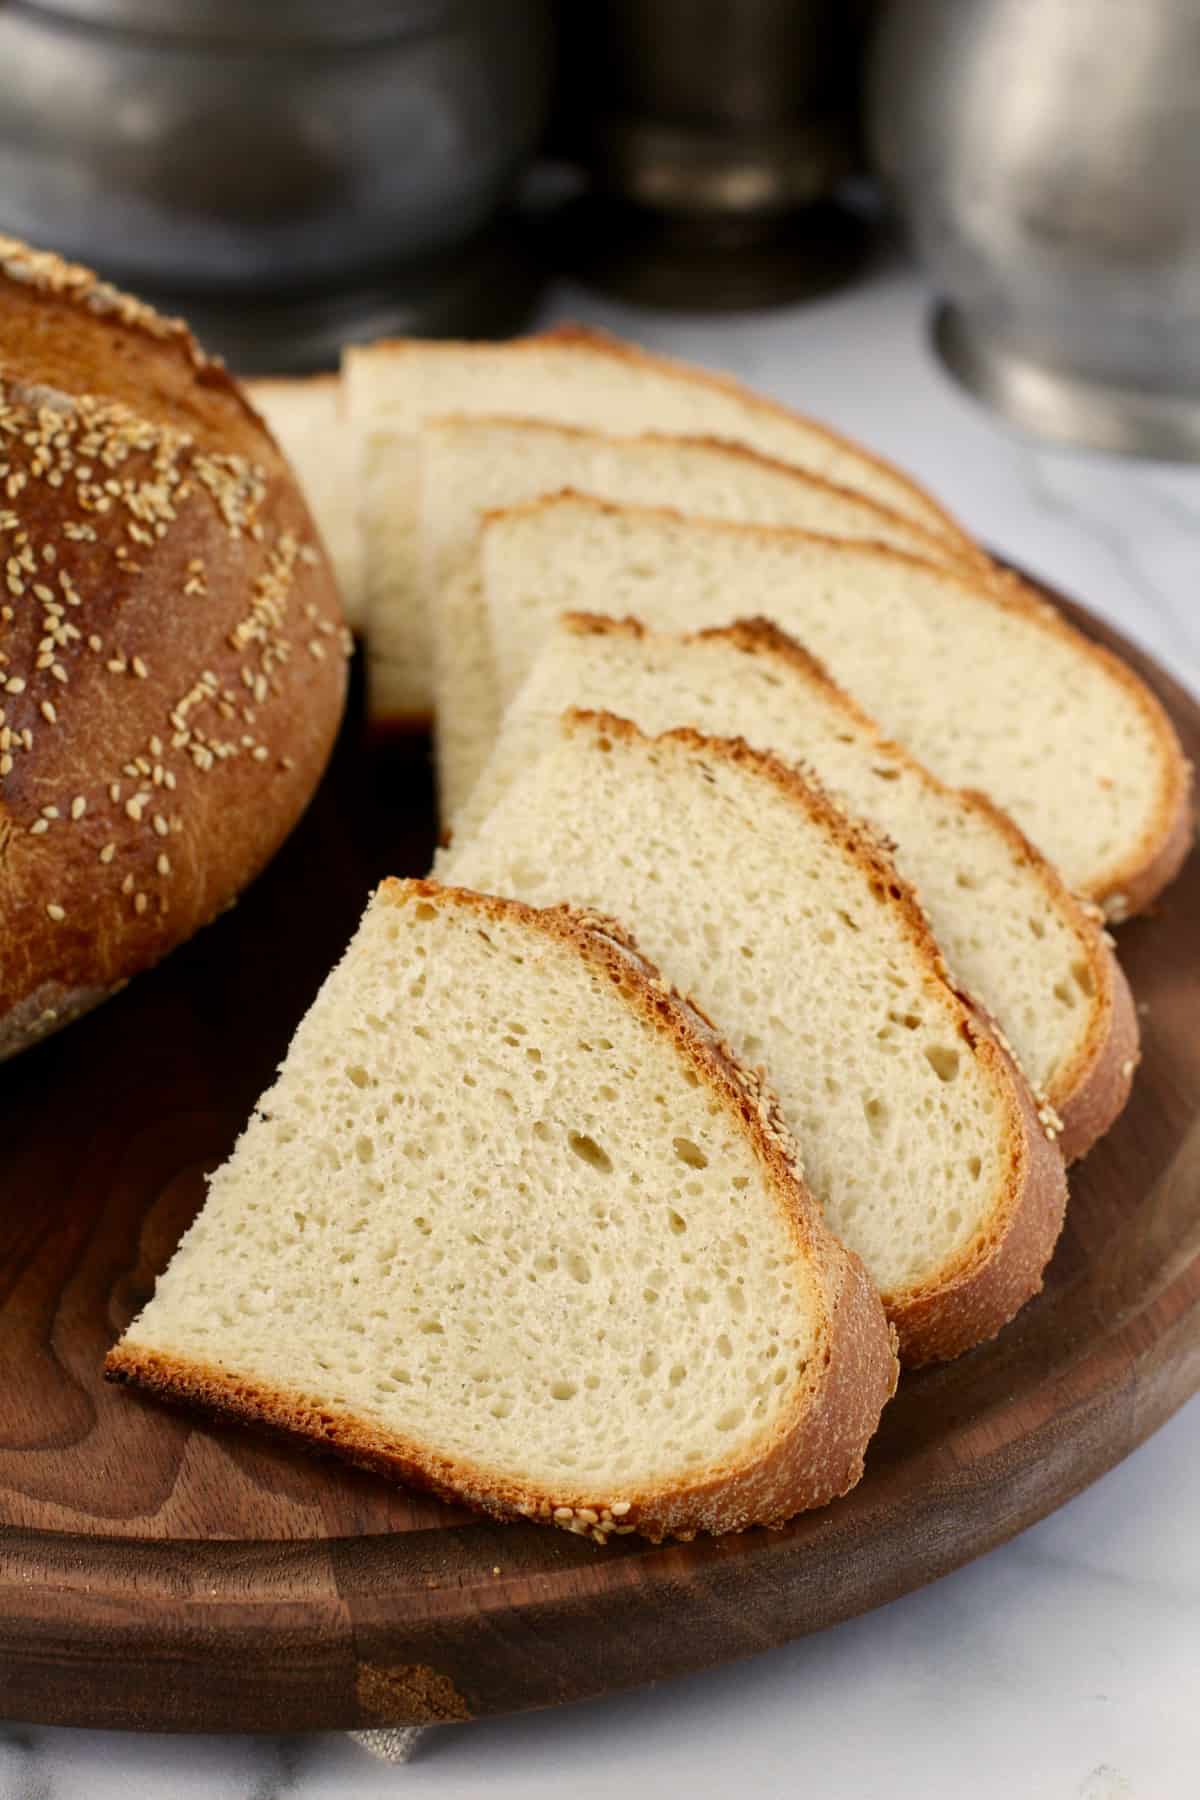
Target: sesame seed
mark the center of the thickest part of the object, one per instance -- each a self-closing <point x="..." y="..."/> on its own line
<point x="108" y="852"/>
<point x="78" y="807"/>
<point x="14" y="685"/>
<point x="6" y="763"/>
<point x="134" y="807"/>
<point x="140" y="903"/>
<point x="48" y="712"/>
<point x="50" y="812"/>
<point x="116" y="665"/>
<point x="260" y="753"/>
<point x="114" y="791"/>
<point x="1127" y="1067"/>
<point x="139" y="668"/>
<point x="160" y="825"/>
<point x="127" y="885"/>
<point x="163" y="863"/>
<point x="619" y="1508"/>
<point x="38" y="827"/>
<point x="55" y="911"/>
<point x="94" y="643"/>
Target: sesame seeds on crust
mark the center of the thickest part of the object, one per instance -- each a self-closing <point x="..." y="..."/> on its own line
<point x="130" y="548"/>
<point x="49" y="274"/>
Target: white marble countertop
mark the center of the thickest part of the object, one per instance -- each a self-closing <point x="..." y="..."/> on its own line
<point x="1065" y="1666"/>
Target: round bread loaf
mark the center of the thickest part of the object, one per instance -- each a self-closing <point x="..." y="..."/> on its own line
<point x="172" y="656"/>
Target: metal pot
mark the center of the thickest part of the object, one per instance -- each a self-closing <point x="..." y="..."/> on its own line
<point x="1046" y="155"/>
<point x="225" y="146"/>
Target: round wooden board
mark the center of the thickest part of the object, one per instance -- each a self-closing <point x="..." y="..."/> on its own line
<point x="160" y="1573"/>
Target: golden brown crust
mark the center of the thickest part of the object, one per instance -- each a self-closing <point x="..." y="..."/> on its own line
<point x="926" y="510"/>
<point x="981" y="1288"/>
<point x="1128" y="887"/>
<point x="172" y="663"/>
<point x="811" y="1457"/>
<point x="948" y="552"/>
<point x="947" y="525"/>
<point x="1090" y="1090"/>
<point x="1002" y="1268"/>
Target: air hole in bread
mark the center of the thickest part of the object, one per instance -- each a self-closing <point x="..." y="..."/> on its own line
<point x="1083" y="975"/>
<point x="690" y="1153"/>
<point x="943" y="1060"/>
<point x="911" y="1021"/>
<point x="589" y="1151"/>
<point x="876" y="1114"/>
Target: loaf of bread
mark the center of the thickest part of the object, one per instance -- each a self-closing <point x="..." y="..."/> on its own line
<point x="793" y="930"/>
<point x="307" y="415"/>
<point x="512" y="1225"/>
<point x="985" y="683"/>
<point x="1010" y="931"/>
<point x="574" y="377"/>
<point x="473" y="464"/>
<point x="172" y="657"/>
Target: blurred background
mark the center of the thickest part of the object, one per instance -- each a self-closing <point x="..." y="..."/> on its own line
<point x="297" y="175"/>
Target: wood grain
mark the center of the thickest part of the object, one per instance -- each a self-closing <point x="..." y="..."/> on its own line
<point x="176" y="1576"/>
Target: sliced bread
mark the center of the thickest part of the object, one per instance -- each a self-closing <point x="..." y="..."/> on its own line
<point x="986" y="684"/>
<point x="513" y="1226"/>
<point x="1010" y="931"/>
<point x="790" y="925"/>
<point x="471" y="464"/>
<point x="307" y="419"/>
<point x="575" y="377"/>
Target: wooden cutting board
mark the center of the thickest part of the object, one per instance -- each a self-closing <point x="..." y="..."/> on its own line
<point x="176" y="1576"/>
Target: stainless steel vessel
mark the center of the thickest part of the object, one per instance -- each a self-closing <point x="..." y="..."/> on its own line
<point x="1046" y="155"/>
<point x="224" y="147"/>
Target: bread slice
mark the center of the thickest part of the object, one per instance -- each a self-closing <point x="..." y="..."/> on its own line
<point x="987" y="685"/>
<point x="1013" y="935"/>
<point x="307" y="419"/>
<point x="574" y="377"/>
<point x="789" y="924"/>
<point x="471" y="464"/>
<point x="513" y="1226"/>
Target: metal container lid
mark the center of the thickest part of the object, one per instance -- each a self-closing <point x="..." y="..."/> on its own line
<point x="284" y="24"/>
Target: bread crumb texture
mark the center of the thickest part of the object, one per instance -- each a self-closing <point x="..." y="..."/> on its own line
<point x="513" y="1219"/>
